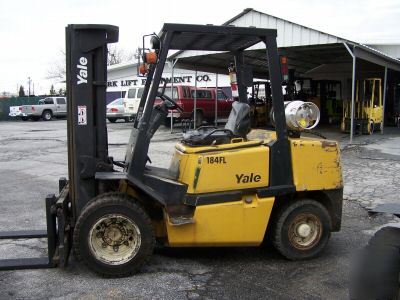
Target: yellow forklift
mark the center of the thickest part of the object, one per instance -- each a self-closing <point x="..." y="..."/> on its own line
<point x="368" y="108"/>
<point x="224" y="187"/>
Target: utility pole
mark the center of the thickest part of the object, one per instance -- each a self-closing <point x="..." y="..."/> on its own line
<point x="29" y="89"/>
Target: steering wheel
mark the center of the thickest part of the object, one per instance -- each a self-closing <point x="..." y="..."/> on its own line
<point x="166" y="98"/>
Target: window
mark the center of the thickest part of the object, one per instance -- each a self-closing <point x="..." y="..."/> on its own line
<point x="202" y="94"/>
<point x="167" y="92"/>
<point x="131" y="93"/>
<point x="140" y="93"/>
<point x="119" y="101"/>
<point x="48" y="101"/>
<point x="61" y="101"/>
<point x="221" y="95"/>
<point x="376" y="93"/>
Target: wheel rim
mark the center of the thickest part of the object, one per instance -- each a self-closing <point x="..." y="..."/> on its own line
<point x="47" y="116"/>
<point x="114" y="239"/>
<point x="305" y="231"/>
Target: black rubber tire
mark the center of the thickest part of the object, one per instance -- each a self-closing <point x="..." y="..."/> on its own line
<point x="24" y="118"/>
<point x="199" y="118"/>
<point x="375" y="273"/>
<point x="112" y="120"/>
<point x="47" y="115"/>
<point x="283" y="219"/>
<point x="113" y="203"/>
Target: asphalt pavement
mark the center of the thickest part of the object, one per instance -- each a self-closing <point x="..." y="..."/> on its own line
<point x="33" y="155"/>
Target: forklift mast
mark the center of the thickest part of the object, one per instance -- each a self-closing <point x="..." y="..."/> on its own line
<point x="86" y="53"/>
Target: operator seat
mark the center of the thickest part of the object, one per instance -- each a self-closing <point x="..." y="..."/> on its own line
<point x="238" y="126"/>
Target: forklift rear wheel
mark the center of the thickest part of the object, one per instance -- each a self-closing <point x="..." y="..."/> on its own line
<point x="113" y="236"/>
<point x="301" y="229"/>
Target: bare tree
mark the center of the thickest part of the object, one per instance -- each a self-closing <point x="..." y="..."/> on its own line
<point x="117" y="55"/>
<point x="57" y="69"/>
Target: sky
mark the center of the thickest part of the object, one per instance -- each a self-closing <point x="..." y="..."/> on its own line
<point x="32" y="32"/>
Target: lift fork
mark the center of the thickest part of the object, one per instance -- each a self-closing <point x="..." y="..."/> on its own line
<point x="57" y="234"/>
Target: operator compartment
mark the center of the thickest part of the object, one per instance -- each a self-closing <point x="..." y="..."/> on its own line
<point x="235" y="166"/>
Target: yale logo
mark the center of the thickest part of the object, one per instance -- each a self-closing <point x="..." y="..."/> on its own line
<point x="83" y="70"/>
<point x="243" y="178"/>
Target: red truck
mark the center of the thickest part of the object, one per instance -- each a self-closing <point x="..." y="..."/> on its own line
<point x="205" y="104"/>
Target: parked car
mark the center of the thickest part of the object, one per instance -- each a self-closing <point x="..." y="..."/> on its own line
<point x="116" y="110"/>
<point x="184" y="96"/>
<point x="132" y="100"/>
<point x="47" y="109"/>
<point x="15" y="111"/>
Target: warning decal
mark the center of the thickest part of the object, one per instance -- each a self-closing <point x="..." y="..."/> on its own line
<point x="82" y="115"/>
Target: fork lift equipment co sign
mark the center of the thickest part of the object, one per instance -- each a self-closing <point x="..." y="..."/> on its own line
<point x="82" y="115"/>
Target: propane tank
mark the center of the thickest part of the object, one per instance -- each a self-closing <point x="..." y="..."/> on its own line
<point x="233" y="80"/>
<point x="300" y="115"/>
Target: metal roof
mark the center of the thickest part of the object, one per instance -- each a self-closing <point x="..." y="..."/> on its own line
<point x="289" y="34"/>
<point x="306" y="48"/>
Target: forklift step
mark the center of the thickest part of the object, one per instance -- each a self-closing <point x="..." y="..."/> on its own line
<point x="177" y="221"/>
<point x="25" y="234"/>
<point x="25" y="263"/>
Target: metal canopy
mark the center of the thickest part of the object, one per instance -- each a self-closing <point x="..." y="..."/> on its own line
<point x="214" y="38"/>
<point x="302" y="58"/>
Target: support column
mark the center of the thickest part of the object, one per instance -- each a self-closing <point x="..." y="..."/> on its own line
<point x="216" y="100"/>
<point x="384" y="100"/>
<point x="353" y="92"/>
<point x="195" y="100"/>
<point x="173" y="62"/>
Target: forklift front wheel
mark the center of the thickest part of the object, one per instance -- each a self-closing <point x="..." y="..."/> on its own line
<point x="113" y="235"/>
<point x="301" y="229"/>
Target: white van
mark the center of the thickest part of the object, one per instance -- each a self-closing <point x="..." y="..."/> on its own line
<point x="132" y="100"/>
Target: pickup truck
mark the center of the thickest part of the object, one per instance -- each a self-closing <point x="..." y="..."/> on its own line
<point x="46" y="109"/>
<point x="184" y="96"/>
<point x="15" y="111"/>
